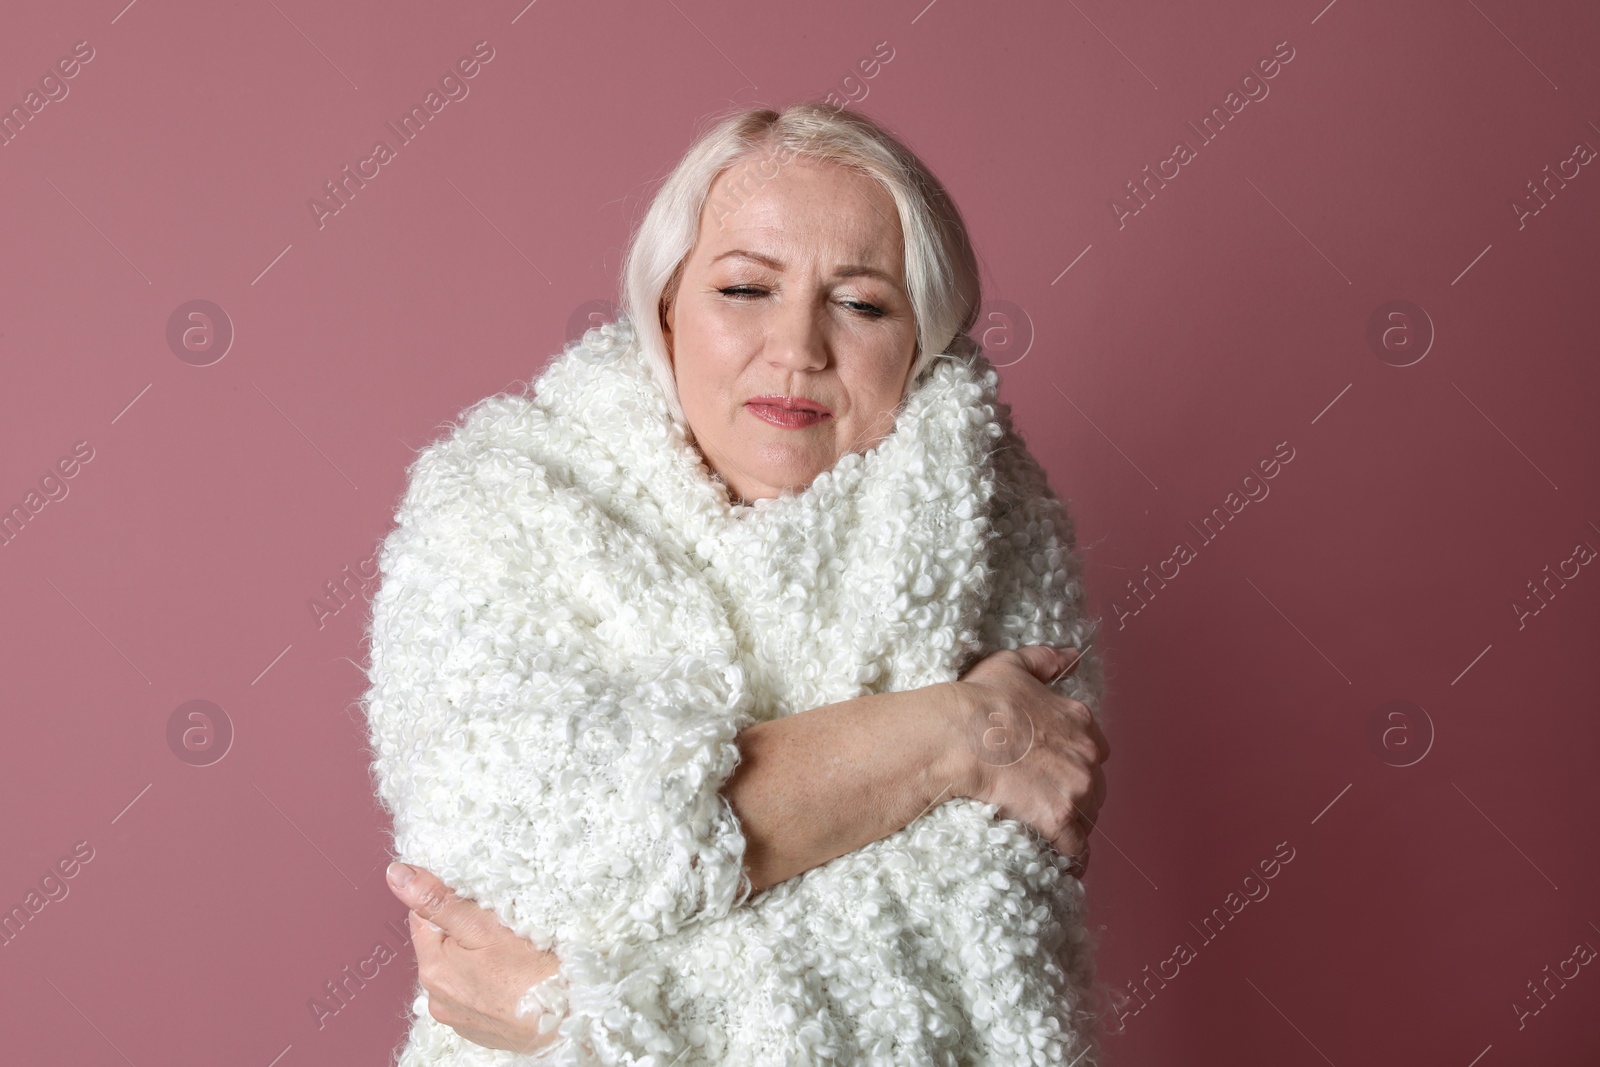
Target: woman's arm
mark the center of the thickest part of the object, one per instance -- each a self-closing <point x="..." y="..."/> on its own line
<point x="821" y="783"/>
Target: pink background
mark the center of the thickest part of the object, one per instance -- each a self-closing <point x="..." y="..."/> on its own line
<point x="1153" y="363"/>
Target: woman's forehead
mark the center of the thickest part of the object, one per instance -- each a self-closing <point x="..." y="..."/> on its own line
<point x="779" y="238"/>
<point x="801" y="193"/>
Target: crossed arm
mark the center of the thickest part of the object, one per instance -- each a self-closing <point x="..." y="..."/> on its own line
<point x="810" y="787"/>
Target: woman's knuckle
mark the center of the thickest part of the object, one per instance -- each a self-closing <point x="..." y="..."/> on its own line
<point x="1074" y="777"/>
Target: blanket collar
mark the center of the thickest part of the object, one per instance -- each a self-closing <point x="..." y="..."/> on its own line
<point x="947" y="427"/>
<point x="876" y="572"/>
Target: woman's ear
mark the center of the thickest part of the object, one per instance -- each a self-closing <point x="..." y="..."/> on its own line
<point x="666" y="316"/>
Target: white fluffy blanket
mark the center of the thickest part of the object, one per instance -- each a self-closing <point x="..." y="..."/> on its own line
<point x="573" y="623"/>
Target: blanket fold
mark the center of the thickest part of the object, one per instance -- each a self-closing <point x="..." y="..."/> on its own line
<point x="573" y="625"/>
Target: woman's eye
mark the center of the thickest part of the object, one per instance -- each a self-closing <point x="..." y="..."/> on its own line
<point x="746" y="292"/>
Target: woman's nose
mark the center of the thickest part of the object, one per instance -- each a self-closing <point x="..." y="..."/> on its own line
<point x="798" y="341"/>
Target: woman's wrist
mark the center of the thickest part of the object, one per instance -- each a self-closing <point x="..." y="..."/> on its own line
<point x="954" y="771"/>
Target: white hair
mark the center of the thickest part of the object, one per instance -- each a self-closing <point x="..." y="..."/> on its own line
<point x="941" y="270"/>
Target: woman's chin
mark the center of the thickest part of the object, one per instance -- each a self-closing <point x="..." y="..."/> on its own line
<point x="773" y="474"/>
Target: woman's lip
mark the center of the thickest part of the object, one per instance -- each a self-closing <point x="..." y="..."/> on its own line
<point x="787" y="418"/>
<point x="789" y="403"/>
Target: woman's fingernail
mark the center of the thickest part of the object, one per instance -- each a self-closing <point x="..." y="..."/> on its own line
<point x="400" y="874"/>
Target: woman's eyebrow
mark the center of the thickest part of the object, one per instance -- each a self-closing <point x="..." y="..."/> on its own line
<point x="769" y="261"/>
<point x="851" y="270"/>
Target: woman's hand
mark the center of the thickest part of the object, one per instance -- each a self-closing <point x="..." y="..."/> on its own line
<point x="474" y="969"/>
<point x="1032" y="751"/>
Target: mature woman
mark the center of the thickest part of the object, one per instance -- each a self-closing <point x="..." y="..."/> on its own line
<point x="731" y="693"/>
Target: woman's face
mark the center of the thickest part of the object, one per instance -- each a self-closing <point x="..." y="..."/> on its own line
<point x="797" y="292"/>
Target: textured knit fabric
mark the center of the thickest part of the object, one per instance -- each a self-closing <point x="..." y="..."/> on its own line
<point x="573" y="624"/>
